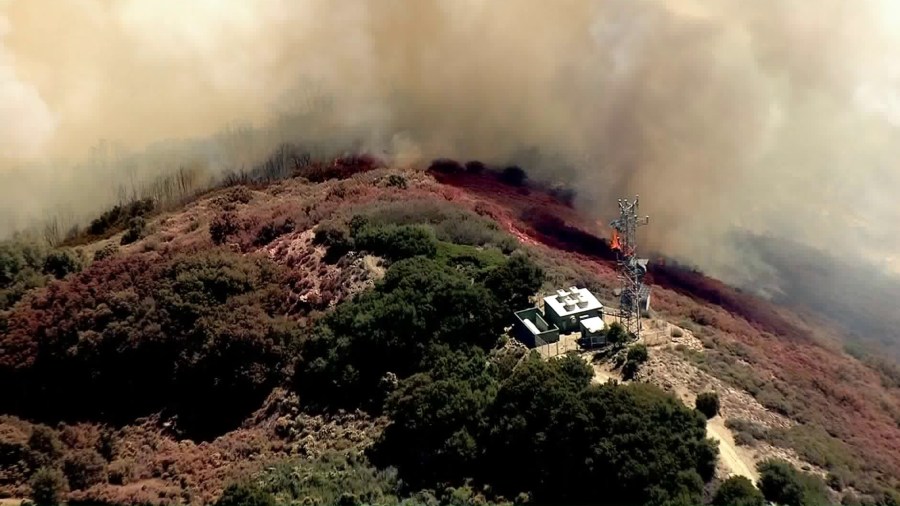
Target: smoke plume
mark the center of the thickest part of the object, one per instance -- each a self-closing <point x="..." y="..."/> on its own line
<point x="774" y="117"/>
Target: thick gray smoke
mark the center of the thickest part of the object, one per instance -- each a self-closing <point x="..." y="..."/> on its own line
<point x="771" y="116"/>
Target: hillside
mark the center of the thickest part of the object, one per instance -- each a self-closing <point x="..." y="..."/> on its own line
<point x="335" y="334"/>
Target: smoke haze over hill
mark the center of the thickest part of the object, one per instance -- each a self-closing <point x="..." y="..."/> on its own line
<point x="778" y="117"/>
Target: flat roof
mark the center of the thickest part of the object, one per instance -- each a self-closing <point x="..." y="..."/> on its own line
<point x="559" y="306"/>
<point x="594" y="324"/>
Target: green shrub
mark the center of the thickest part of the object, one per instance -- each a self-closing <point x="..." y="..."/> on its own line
<point x="636" y="356"/>
<point x="834" y="482"/>
<point x="617" y="335"/>
<point x="515" y="282"/>
<point x="708" y="404"/>
<point x="121" y="472"/>
<point x="513" y="175"/>
<point x="396" y="242"/>
<point x="738" y="491"/>
<point x="84" y="468"/>
<point x="135" y="230"/>
<point x="108" y="251"/>
<point x="419" y="303"/>
<point x="396" y="181"/>
<point x="60" y="263"/>
<point x="44" y="447"/>
<point x="335" y="240"/>
<point x="223" y="226"/>
<point x="630" y="369"/>
<point x="638" y="353"/>
<point x="48" y="485"/>
<point x="245" y="494"/>
<point x="273" y="230"/>
<point x="240" y="194"/>
<point x="201" y="335"/>
<point x="533" y="431"/>
<point x="118" y="217"/>
<point x="449" y="222"/>
<point x="475" y="167"/>
<point x="781" y="483"/>
<point x="330" y="478"/>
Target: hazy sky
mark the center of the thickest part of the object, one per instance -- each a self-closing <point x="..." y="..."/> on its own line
<point x="776" y="116"/>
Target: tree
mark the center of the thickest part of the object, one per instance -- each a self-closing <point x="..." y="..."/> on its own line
<point x="135" y="230"/>
<point x="738" y="491"/>
<point x="245" y="494"/>
<point x="515" y="282"/>
<point x="616" y="334"/>
<point x="48" y="486"/>
<point x="513" y="175"/>
<point x="708" y="404"/>
<point x="436" y="416"/>
<point x="636" y="356"/>
<point x="419" y="303"/>
<point x="638" y="353"/>
<point x="108" y="251"/>
<point x="59" y="263"/>
<point x="84" y="468"/>
<point x="782" y="483"/>
<point x="396" y="242"/>
<point x="223" y="226"/>
<point x="44" y="447"/>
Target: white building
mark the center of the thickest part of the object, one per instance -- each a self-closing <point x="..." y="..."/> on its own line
<point x="567" y="308"/>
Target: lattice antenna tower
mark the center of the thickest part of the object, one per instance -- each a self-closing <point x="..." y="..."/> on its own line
<point x="635" y="295"/>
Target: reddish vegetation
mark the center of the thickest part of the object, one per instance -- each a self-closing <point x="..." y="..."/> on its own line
<point x="833" y="391"/>
<point x="828" y="389"/>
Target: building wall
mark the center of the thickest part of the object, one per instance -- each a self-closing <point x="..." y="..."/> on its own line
<point x="526" y="336"/>
<point x="569" y="323"/>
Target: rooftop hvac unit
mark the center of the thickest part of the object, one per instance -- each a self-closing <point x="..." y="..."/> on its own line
<point x="569" y="304"/>
<point x="582" y="301"/>
<point x="562" y="294"/>
<point x="573" y="289"/>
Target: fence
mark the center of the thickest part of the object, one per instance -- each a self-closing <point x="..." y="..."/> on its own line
<point x="566" y="343"/>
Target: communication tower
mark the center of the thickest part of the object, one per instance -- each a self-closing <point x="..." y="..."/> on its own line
<point x="635" y="296"/>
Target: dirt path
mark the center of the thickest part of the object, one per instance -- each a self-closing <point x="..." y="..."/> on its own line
<point x="734" y="458"/>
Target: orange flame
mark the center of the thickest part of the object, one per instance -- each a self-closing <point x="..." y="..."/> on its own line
<point x="614" y="242"/>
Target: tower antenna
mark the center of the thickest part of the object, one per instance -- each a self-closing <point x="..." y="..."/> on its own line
<point x="635" y="295"/>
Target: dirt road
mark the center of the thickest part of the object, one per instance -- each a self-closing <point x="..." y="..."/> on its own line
<point x="734" y="458"/>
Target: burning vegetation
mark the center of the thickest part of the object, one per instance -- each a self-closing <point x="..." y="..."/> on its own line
<point x="267" y="327"/>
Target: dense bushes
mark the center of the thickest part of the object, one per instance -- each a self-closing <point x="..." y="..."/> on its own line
<point x="396" y="242"/>
<point x="108" y="251"/>
<point x="223" y="226"/>
<point x="738" y="491"/>
<point x="134" y="231"/>
<point x="420" y="303"/>
<point x="48" y="486"/>
<point x="449" y="222"/>
<point x="60" y="263"/>
<point x="332" y="479"/>
<point x="84" y="468"/>
<point x="513" y="175"/>
<point x="245" y="494"/>
<point x="335" y="239"/>
<point x="634" y="358"/>
<point x="781" y="483"/>
<point x="119" y="216"/>
<point x="544" y="430"/>
<point x="708" y="404"/>
<point x="44" y="447"/>
<point x="196" y="334"/>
